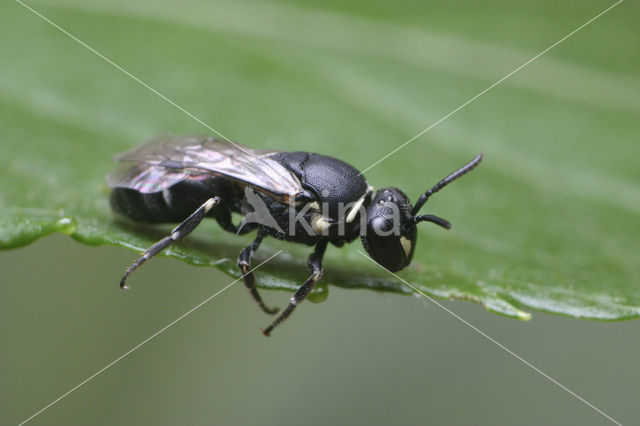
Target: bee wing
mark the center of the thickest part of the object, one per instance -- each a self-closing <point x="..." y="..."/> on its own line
<point x="144" y="178"/>
<point x="166" y="160"/>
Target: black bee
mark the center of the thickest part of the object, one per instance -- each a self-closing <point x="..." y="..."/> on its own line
<point x="302" y="197"/>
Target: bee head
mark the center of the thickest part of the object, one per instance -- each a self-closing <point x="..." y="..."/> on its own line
<point x="391" y="233"/>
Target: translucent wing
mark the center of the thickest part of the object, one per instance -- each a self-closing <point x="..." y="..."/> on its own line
<point x="166" y="160"/>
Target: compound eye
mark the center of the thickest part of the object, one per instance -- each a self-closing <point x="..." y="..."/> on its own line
<point x="381" y="226"/>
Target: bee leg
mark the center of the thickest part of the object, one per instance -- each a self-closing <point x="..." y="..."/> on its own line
<point x="246" y="228"/>
<point x="314" y="262"/>
<point x="244" y="263"/>
<point x="222" y="215"/>
<point x="182" y="230"/>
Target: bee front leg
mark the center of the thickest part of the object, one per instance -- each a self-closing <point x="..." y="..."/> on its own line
<point x="314" y="262"/>
<point x="180" y="231"/>
<point x="244" y="263"/>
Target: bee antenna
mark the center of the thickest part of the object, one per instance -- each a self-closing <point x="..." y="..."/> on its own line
<point x="444" y="182"/>
<point x="433" y="219"/>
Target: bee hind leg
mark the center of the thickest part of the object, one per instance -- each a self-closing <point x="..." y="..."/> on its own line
<point x="180" y="231"/>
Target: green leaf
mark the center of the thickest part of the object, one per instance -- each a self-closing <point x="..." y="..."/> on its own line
<point x="548" y="222"/>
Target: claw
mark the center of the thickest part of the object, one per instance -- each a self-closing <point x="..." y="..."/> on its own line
<point x="123" y="286"/>
<point x="272" y="311"/>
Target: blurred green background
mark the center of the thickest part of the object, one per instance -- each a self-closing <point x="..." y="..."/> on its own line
<point x="549" y="221"/>
<point x="358" y="358"/>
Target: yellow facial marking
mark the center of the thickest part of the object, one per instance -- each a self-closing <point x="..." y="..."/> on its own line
<point x="406" y="245"/>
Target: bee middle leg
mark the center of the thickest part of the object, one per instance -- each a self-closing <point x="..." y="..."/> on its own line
<point x="244" y="263"/>
<point x="222" y="215"/>
<point x="314" y="262"/>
